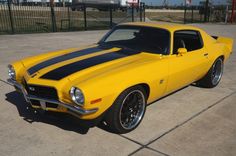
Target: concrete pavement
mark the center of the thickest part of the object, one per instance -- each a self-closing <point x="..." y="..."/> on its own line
<point x="193" y="121"/>
<point x="210" y="133"/>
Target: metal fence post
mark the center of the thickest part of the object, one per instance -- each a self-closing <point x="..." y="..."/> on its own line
<point x="144" y="12"/>
<point x="111" y="17"/>
<point x="185" y="11"/>
<point x="68" y="11"/>
<point x="54" y="25"/>
<point x="192" y="15"/>
<point x="226" y="14"/>
<point x="232" y="13"/>
<point x="85" y="17"/>
<point x="140" y="12"/>
<point x="132" y="12"/>
<point x="10" y="15"/>
<point x="206" y="11"/>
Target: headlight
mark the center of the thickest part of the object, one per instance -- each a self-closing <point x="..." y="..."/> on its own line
<point x="11" y="72"/>
<point x="77" y="96"/>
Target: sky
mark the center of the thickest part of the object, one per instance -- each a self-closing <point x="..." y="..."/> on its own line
<point x="178" y="2"/>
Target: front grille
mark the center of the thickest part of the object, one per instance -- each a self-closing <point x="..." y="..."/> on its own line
<point x="42" y="91"/>
<point x="35" y="102"/>
<point x="51" y="105"/>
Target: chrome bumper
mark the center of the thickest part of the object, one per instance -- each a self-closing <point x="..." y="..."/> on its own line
<point x="76" y="110"/>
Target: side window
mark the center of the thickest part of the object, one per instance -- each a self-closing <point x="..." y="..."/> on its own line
<point x="189" y="39"/>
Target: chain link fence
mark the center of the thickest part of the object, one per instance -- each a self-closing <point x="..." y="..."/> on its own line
<point x="32" y="17"/>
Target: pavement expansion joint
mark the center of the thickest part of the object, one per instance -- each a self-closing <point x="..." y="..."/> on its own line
<point x="152" y="149"/>
<point x="4" y="82"/>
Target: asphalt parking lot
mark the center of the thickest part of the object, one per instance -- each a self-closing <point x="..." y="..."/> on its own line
<point x="193" y="121"/>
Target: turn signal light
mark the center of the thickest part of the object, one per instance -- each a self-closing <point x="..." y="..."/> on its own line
<point x="96" y="101"/>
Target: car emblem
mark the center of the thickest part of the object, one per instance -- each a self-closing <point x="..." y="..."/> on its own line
<point x="32" y="88"/>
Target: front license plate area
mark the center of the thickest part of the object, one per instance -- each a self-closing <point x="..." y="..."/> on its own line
<point x="43" y="105"/>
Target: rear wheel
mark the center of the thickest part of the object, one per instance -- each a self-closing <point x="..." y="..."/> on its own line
<point x="127" y="111"/>
<point x="214" y="75"/>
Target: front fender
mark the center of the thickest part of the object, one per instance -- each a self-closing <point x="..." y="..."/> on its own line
<point x="105" y="92"/>
<point x="19" y="70"/>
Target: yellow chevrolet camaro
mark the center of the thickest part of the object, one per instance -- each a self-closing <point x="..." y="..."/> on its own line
<point x="131" y="66"/>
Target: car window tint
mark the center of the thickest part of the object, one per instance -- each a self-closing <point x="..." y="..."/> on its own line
<point x="191" y="40"/>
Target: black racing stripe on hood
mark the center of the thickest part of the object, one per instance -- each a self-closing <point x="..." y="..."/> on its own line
<point x="72" y="68"/>
<point x="65" y="57"/>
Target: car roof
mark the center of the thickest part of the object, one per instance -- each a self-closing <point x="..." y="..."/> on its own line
<point x="169" y="26"/>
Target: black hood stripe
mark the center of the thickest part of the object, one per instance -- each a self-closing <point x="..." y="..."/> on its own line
<point x="64" y="57"/>
<point x="72" y="68"/>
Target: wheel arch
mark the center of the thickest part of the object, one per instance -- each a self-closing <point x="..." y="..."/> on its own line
<point x="146" y="87"/>
<point x="222" y="57"/>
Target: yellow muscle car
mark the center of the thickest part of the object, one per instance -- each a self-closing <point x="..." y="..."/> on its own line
<point x="131" y="66"/>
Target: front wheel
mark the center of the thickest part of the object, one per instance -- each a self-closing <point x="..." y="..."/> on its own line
<point x="127" y="111"/>
<point x="214" y="75"/>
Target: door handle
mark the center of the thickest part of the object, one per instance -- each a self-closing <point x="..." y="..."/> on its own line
<point x="206" y="54"/>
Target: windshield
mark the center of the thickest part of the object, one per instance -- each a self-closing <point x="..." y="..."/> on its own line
<point x="140" y="38"/>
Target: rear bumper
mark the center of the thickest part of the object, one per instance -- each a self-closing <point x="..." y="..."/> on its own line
<point x="74" y="110"/>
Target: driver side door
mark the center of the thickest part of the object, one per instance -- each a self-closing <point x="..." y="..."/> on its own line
<point x="189" y="67"/>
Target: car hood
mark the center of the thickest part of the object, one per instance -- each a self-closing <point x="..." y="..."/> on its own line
<point x="86" y="63"/>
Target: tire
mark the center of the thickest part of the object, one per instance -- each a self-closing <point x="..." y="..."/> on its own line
<point x="213" y="77"/>
<point x="124" y="116"/>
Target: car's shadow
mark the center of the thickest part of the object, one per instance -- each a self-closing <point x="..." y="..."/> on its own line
<point x="63" y="121"/>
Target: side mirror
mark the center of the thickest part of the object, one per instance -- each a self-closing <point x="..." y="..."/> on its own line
<point x="182" y="51"/>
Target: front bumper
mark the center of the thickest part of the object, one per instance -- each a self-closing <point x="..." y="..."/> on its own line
<point x="74" y="110"/>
